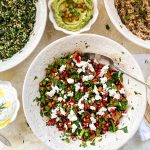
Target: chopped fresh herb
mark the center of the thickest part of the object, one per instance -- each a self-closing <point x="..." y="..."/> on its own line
<point x="35" y="77"/>
<point x="132" y="108"/>
<point x="125" y="129"/>
<point x="67" y="140"/>
<point x="93" y="142"/>
<point x="137" y="93"/>
<point x="84" y="144"/>
<point x="146" y="61"/>
<point x="107" y="27"/>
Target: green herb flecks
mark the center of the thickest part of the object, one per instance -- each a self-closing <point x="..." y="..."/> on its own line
<point x="125" y="129"/>
<point x="17" y="20"/>
<point x="2" y="107"/>
<point x="137" y="93"/>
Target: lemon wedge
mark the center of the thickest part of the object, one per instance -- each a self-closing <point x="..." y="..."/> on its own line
<point x="1" y="92"/>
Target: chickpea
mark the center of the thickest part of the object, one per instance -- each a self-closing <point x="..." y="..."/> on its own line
<point x="70" y="15"/>
<point x="67" y="5"/>
<point x="64" y="10"/>
<point x="50" y="104"/>
<point x="79" y="6"/>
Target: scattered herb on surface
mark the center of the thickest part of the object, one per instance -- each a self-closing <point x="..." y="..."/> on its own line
<point x="137" y="93"/>
<point x="107" y="27"/>
<point x="125" y="129"/>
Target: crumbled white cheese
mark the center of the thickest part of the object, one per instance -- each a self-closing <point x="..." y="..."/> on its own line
<point x="54" y="113"/>
<point x="62" y="68"/>
<point x="77" y="87"/>
<point x="60" y="99"/>
<point x="98" y="97"/>
<point x="70" y="94"/>
<point x="103" y="80"/>
<point x="95" y="90"/>
<point x="80" y="125"/>
<point x="74" y="127"/>
<point x="65" y="96"/>
<point x="72" y="116"/>
<point x="79" y="70"/>
<point x="104" y="70"/>
<point x="80" y="112"/>
<point x="110" y="108"/>
<point x="92" y="127"/>
<point x="91" y="67"/>
<point x="91" y="77"/>
<point x="101" y="111"/>
<point x="112" y="92"/>
<point x="117" y="96"/>
<point x="105" y="87"/>
<point x="70" y="81"/>
<point x="85" y="78"/>
<point x="62" y="111"/>
<point x="62" y="92"/>
<point x="80" y="105"/>
<point x="92" y="99"/>
<point x="122" y="91"/>
<point x="51" y="93"/>
<point x="92" y="108"/>
<point x="65" y="126"/>
<point x="93" y="120"/>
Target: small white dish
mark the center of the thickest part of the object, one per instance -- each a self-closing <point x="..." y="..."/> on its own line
<point x="86" y="28"/>
<point x="39" y="27"/>
<point x="84" y="43"/>
<point x="9" y="103"/>
<point x="115" y="18"/>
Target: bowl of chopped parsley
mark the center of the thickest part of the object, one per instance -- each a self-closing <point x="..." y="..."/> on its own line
<point x="22" y="26"/>
<point x="73" y="102"/>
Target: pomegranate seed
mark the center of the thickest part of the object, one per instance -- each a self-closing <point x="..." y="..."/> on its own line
<point x="66" y="83"/>
<point x="117" y="122"/>
<point x="91" y="73"/>
<point x="103" y="132"/>
<point x="100" y="66"/>
<point x="92" y="131"/>
<point x="81" y="90"/>
<point x="87" y="116"/>
<point x="51" y="122"/>
<point x="104" y="129"/>
<point x="106" y="124"/>
<point x="72" y="137"/>
<point x="95" y="79"/>
<point x="112" y="110"/>
<point x="98" y="126"/>
<point x="82" y="139"/>
<point x="125" y="112"/>
<point x="78" y="59"/>
<point x="74" y="68"/>
<point x="71" y="100"/>
<point x="91" y="103"/>
<point x="81" y="84"/>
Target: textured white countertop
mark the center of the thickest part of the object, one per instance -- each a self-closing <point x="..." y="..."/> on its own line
<point x="18" y="132"/>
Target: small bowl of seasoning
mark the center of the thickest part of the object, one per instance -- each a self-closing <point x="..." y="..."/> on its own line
<point x="9" y="103"/>
<point x="73" y="16"/>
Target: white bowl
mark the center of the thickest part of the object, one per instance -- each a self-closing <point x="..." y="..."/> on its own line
<point x="86" y="28"/>
<point x="8" y="96"/>
<point x="84" y="43"/>
<point x="41" y="17"/>
<point x="115" y="18"/>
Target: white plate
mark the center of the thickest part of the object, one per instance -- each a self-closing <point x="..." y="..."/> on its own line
<point x="114" y="17"/>
<point x="41" y="17"/>
<point x="84" y="43"/>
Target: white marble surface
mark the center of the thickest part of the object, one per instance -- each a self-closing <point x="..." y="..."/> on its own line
<point x="18" y="132"/>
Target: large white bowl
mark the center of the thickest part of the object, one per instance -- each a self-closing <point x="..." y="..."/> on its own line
<point x="114" y="17"/>
<point x="84" y="43"/>
<point x="41" y="17"/>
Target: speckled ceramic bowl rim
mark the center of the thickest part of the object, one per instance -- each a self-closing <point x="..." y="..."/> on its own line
<point x="84" y="29"/>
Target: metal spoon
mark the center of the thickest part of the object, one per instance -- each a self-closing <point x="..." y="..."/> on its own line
<point x="5" y="141"/>
<point x="108" y="61"/>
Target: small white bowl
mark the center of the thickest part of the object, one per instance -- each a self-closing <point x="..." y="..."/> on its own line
<point x="39" y="27"/>
<point x="8" y="97"/>
<point x="84" y="29"/>
<point x="115" y="18"/>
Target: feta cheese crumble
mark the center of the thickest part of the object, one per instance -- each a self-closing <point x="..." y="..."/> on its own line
<point x="72" y="116"/>
<point x="74" y="127"/>
<point x="101" y="111"/>
<point x="62" y="68"/>
<point x="70" y="81"/>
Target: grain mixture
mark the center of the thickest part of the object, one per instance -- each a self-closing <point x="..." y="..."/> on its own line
<point x="135" y="14"/>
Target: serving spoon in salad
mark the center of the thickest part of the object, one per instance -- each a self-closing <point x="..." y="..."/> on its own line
<point x="108" y="61"/>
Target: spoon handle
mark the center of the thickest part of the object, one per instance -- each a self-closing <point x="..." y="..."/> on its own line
<point x="4" y="141"/>
<point x="120" y="69"/>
